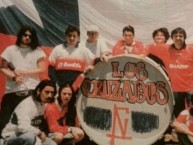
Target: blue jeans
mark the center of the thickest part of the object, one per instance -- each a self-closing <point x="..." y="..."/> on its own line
<point x="26" y="139"/>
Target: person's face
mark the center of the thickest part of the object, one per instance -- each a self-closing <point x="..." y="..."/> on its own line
<point x="72" y="38"/>
<point x="178" y="40"/>
<point x="26" y="38"/>
<point x="128" y="37"/>
<point x="159" y="38"/>
<point x="47" y="94"/>
<point x="92" y="36"/>
<point x="66" y="95"/>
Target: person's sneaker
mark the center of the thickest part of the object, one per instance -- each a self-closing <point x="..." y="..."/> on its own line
<point x="168" y="137"/>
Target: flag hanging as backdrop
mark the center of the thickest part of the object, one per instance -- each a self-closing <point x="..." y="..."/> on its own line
<point x="145" y="15"/>
<point x="51" y="17"/>
<point x="48" y="17"/>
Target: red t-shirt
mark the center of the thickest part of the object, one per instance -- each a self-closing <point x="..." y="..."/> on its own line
<point x="53" y="114"/>
<point x="179" y="65"/>
<point x="136" y="48"/>
<point x="186" y="119"/>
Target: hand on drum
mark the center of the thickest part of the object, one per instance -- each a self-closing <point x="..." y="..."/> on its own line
<point x="88" y="69"/>
<point x="104" y="57"/>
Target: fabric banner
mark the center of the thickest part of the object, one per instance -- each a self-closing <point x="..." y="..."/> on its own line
<point x="145" y="15"/>
<point x="51" y="17"/>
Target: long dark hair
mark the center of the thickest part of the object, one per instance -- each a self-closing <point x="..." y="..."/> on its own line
<point x="40" y="87"/>
<point x="71" y="114"/>
<point x="34" y="39"/>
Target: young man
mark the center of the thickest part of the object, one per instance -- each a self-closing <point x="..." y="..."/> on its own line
<point x="128" y="45"/>
<point x="179" y="64"/>
<point x="184" y="126"/>
<point x="25" y="126"/>
<point x="96" y="44"/>
<point x="178" y="61"/>
<point x="70" y="59"/>
<point x="160" y="37"/>
<point x="21" y="65"/>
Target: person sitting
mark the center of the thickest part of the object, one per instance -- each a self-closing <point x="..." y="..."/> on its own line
<point x="184" y="125"/>
<point x="62" y="125"/>
<point x="27" y="125"/>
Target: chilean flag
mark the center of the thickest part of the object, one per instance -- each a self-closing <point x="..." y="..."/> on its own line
<point x="48" y="17"/>
<point x="51" y="17"/>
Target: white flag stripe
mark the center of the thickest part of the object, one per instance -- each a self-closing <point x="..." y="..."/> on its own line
<point x="145" y="15"/>
<point x="26" y="7"/>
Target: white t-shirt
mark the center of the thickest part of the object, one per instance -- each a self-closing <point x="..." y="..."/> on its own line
<point x="98" y="48"/>
<point x="81" y="53"/>
<point x="23" y="59"/>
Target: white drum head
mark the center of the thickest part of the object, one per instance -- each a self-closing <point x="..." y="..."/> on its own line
<point x="126" y="101"/>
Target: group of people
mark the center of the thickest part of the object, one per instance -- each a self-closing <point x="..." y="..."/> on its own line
<point x="28" y="122"/>
<point x="34" y="102"/>
<point x="177" y="60"/>
<point x="22" y="64"/>
<point x="24" y="117"/>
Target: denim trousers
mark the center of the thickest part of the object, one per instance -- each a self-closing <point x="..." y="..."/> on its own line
<point x="27" y="139"/>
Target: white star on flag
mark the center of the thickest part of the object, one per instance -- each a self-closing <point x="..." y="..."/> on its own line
<point x="26" y="7"/>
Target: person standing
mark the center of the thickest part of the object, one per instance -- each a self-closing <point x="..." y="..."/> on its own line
<point x="180" y="68"/>
<point x="70" y="60"/>
<point x="96" y="44"/>
<point x="21" y="64"/>
<point x="128" y="45"/>
<point x="160" y="37"/>
<point x="178" y="60"/>
<point x="25" y="126"/>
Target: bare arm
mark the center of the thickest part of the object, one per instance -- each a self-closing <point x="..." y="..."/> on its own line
<point x="182" y="128"/>
<point x="5" y="70"/>
<point x="9" y="74"/>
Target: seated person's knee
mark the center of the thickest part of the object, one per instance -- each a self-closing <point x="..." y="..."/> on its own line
<point x="58" y="137"/>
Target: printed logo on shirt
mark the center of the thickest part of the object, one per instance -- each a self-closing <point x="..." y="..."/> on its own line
<point x="70" y="64"/>
<point x="179" y="66"/>
<point x="37" y="121"/>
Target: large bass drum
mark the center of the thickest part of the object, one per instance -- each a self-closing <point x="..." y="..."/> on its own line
<point x="126" y="101"/>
